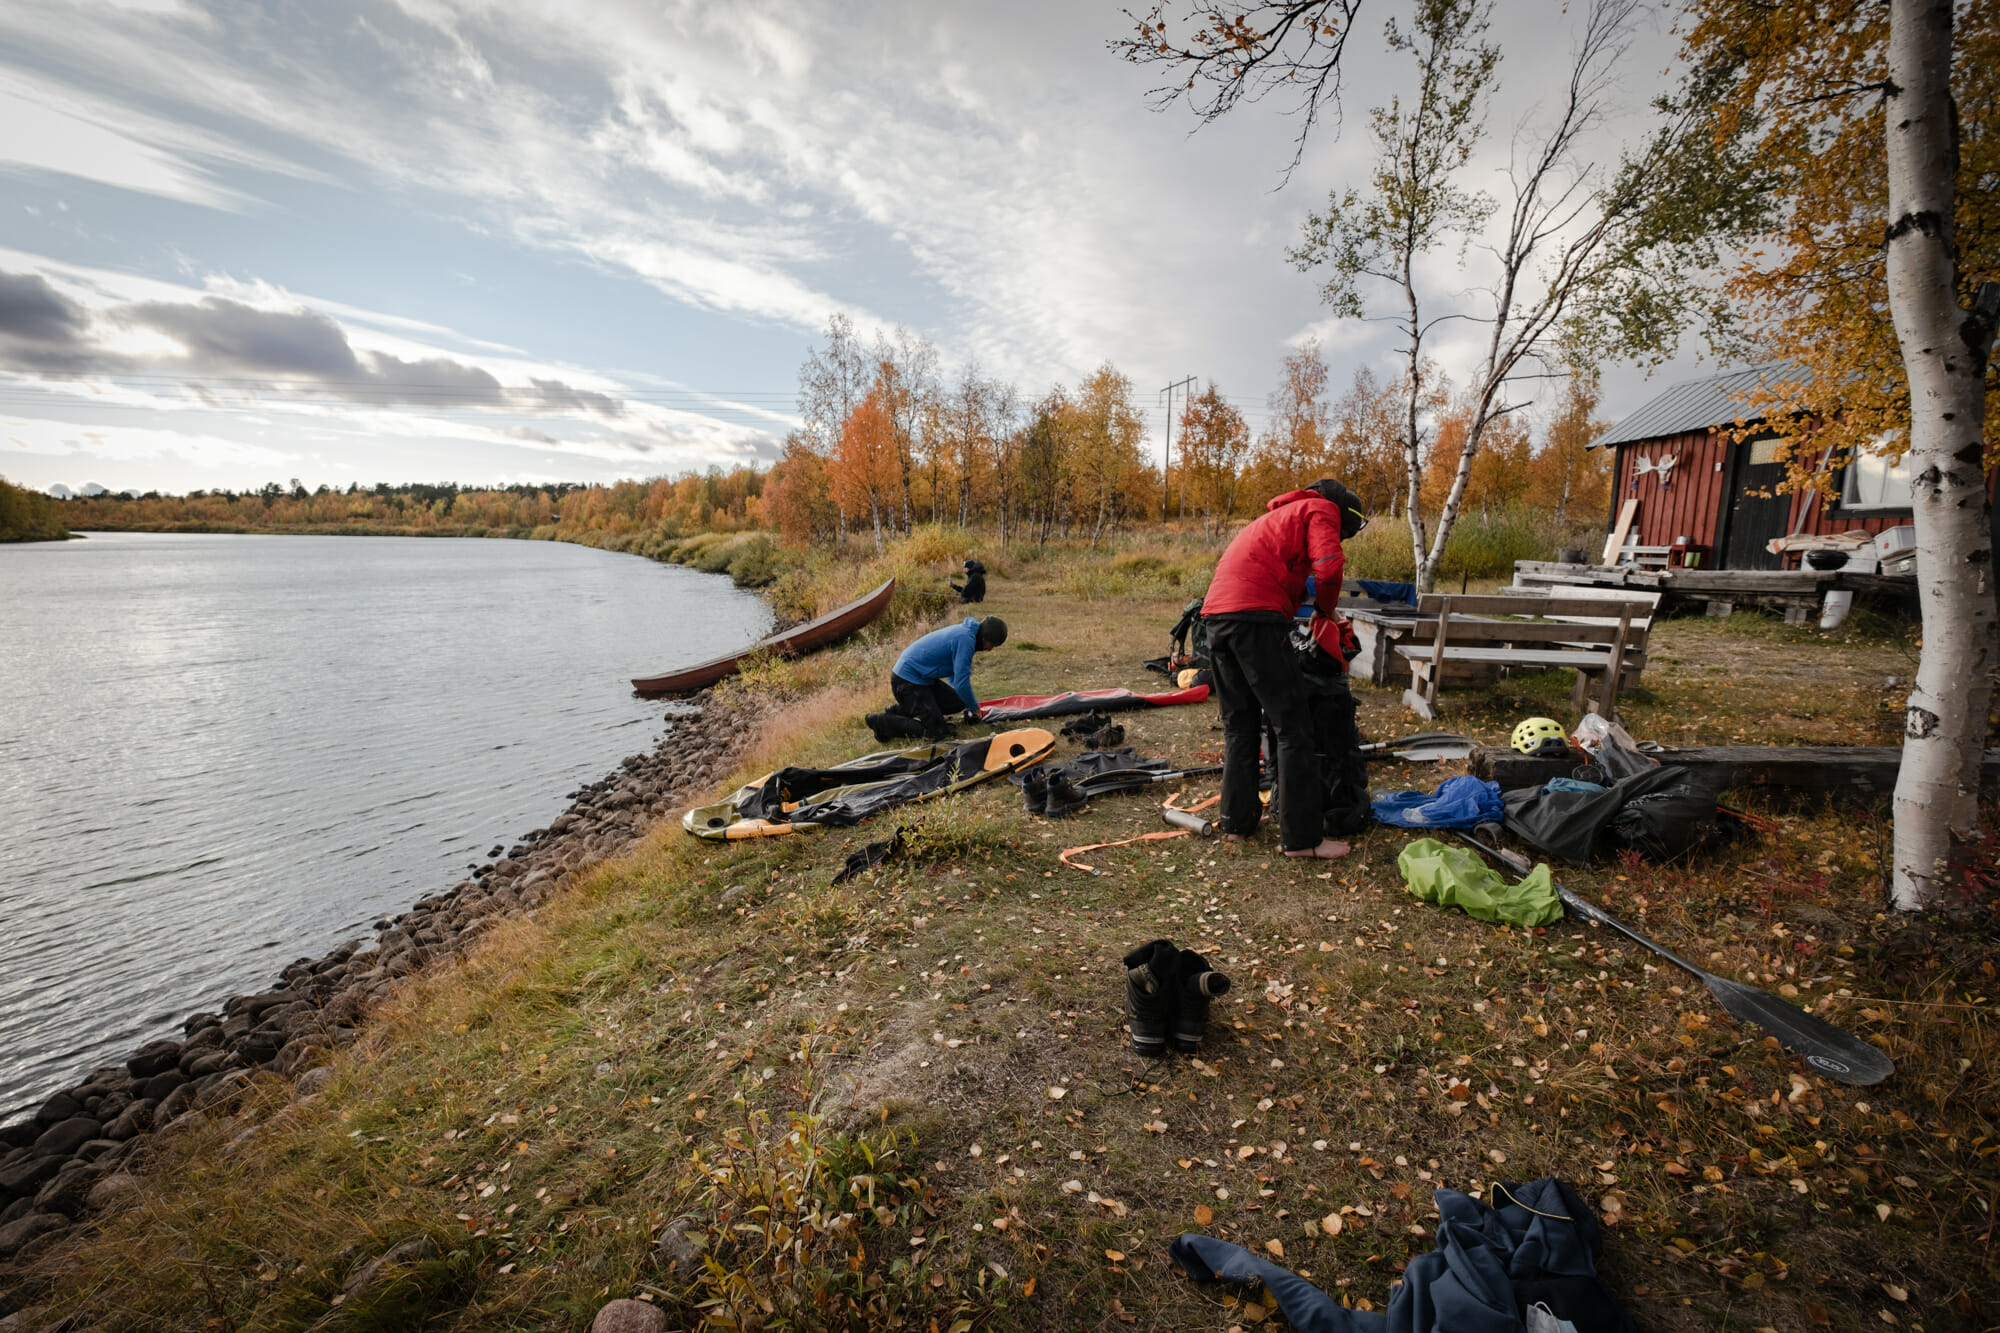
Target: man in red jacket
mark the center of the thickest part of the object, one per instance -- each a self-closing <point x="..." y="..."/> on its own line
<point x="1258" y="586"/>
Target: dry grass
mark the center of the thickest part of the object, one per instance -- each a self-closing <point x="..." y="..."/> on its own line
<point x="699" y="1008"/>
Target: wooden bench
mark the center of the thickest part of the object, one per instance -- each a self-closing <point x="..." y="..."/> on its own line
<point x="1603" y="639"/>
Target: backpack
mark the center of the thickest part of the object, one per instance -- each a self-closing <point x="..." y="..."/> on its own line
<point x="1344" y="802"/>
<point x="1187" y="646"/>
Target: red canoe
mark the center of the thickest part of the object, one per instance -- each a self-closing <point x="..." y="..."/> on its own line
<point x="835" y="624"/>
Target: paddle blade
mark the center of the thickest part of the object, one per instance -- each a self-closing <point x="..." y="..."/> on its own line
<point x="1841" y="1056"/>
<point x="1426" y="752"/>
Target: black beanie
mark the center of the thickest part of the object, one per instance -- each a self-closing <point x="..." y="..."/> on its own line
<point x="992" y="631"/>
<point x="1353" y="514"/>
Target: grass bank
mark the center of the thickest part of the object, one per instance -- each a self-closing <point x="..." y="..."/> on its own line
<point x="907" y="1102"/>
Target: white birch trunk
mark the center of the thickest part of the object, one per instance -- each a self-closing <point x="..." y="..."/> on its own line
<point x="1944" y="356"/>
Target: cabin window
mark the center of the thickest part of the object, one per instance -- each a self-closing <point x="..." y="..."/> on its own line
<point x="1874" y="482"/>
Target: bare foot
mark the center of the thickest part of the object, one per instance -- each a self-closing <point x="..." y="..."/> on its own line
<point x="1326" y="851"/>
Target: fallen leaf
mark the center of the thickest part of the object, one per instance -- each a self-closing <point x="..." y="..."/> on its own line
<point x="1203" y="1214"/>
<point x="1057" y="1094"/>
<point x="1155" y="1127"/>
<point x="1115" y="1256"/>
<point x="1817" y="1314"/>
<point x="1896" y="1293"/>
<point x="1028" y="1287"/>
<point x="1331" y="1224"/>
<point x="1400" y="1189"/>
<point x="1276" y="1249"/>
<point x="1072" y="1187"/>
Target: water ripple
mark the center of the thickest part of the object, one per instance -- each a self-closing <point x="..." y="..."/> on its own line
<point x="217" y="752"/>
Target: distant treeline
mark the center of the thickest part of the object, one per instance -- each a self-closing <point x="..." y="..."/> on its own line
<point x="28" y="516"/>
<point x="714" y="501"/>
<point x="890" y="443"/>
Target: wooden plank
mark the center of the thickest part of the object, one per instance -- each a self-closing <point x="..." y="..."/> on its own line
<point x="1616" y="540"/>
<point x="1520" y="631"/>
<point x="1507" y="656"/>
<point x="1519" y="604"/>
<point x="1567" y="592"/>
<point x="1782" y="772"/>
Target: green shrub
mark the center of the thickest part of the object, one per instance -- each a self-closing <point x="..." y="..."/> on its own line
<point x="756" y="562"/>
<point x="1480" y="547"/>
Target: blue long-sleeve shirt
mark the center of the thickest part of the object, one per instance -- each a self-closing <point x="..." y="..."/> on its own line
<point x="944" y="655"/>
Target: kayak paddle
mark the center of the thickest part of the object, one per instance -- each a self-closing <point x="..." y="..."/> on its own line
<point x="1424" y="747"/>
<point x="1839" y="1055"/>
<point x="1132" y="779"/>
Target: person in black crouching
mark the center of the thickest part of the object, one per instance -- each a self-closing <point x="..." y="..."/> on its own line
<point x="975" y="584"/>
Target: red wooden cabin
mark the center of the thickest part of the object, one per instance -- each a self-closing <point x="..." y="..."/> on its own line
<point x="1694" y="485"/>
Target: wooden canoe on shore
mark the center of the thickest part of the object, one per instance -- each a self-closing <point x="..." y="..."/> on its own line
<point x="835" y="624"/>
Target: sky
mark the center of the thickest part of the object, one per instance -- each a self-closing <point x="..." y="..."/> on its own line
<point x="496" y="241"/>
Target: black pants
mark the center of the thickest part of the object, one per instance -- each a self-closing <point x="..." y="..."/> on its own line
<point x="1257" y="676"/>
<point x="927" y="704"/>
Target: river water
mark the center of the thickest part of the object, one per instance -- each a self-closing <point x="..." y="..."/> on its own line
<point x="221" y="753"/>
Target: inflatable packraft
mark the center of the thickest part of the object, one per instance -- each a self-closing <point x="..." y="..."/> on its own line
<point x="796" y="800"/>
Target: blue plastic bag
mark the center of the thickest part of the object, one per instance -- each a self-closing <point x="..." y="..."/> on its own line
<point x="1463" y="802"/>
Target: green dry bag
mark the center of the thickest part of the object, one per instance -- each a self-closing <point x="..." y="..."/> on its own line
<point x="1455" y="877"/>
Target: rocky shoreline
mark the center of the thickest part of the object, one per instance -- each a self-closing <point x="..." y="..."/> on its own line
<point x="82" y="1149"/>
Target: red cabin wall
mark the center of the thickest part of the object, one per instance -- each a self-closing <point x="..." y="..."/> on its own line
<point x="1690" y="504"/>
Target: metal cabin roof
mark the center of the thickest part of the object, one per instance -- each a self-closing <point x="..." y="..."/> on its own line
<point x="1698" y="405"/>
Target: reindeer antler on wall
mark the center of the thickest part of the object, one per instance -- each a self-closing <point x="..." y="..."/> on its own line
<point x="1662" y="467"/>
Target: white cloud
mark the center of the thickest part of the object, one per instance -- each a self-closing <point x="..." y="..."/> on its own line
<point x="990" y="176"/>
<point x="125" y="444"/>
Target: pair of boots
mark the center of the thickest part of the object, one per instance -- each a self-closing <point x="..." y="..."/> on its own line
<point x="1095" y="730"/>
<point x="1051" y="794"/>
<point x="1167" y="994"/>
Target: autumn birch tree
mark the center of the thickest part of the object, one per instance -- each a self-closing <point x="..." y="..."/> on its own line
<point x="865" y="473"/>
<point x="1574" y="235"/>
<point x="1879" y="127"/>
<point x="1214" y="444"/>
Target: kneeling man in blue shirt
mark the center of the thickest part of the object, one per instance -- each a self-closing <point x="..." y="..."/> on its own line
<point x="933" y="677"/>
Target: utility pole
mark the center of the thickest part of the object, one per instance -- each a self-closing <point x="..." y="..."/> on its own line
<point x="1167" y="471"/>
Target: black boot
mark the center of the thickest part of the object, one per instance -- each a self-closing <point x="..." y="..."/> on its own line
<point x="1035" y="793"/>
<point x="1192" y="987"/>
<point x="1079" y="727"/>
<point x="1109" y="738"/>
<point x="1064" y="799"/>
<point x="1148" y="1003"/>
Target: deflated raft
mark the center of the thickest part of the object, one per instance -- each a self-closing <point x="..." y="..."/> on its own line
<point x="794" y="800"/>
<point x="1021" y="707"/>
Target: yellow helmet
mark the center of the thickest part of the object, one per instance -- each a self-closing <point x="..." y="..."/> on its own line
<point x="1541" y="738"/>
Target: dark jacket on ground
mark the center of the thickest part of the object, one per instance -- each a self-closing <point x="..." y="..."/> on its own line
<point x="1265" y="567"/>
<point x="1540" y="1244"/>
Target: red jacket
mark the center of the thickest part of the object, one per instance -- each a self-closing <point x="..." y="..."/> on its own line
<point x="1265" y="567"/>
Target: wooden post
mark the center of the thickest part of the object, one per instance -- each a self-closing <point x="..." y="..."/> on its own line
<point x="1437" y="652"/>
<point x="1608" y="707"/>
